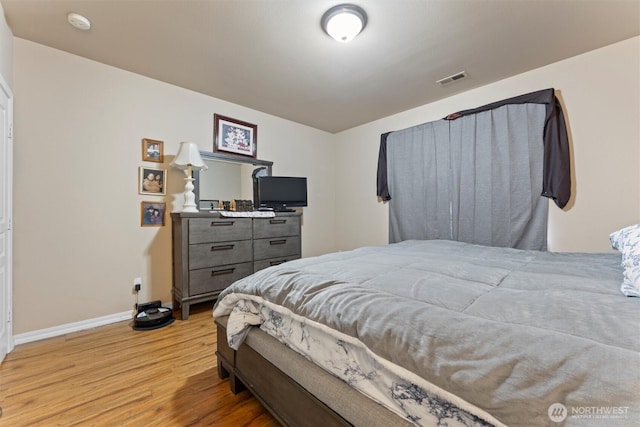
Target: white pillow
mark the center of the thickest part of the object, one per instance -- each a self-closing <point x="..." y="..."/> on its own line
<point x="627" y="241"/>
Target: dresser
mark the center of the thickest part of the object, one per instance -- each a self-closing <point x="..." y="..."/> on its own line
<point x="211" y="251"/>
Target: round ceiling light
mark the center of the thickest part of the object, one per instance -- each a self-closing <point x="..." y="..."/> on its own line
<point x="79" y="21"/>
<point x="344" y="22"/>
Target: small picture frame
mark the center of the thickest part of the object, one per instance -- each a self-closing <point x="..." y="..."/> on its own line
<point x="235" y="136"/>
<point x="152" y="181"/>
<point x="152" y="214"/>
<point x="152" y="150"/>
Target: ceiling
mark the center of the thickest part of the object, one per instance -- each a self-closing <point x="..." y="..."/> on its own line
<point x="272" y="56"/>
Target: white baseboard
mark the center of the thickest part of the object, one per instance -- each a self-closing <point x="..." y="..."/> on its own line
<point x="71" y="327"/>
<point x="75" y="326"/>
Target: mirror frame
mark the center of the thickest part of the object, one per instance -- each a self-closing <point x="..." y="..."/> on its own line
<point x="222" y="157"/>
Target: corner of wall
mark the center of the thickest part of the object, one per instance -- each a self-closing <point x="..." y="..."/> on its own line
<point x="6" y="50"/>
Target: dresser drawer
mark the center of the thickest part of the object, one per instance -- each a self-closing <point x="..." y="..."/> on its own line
<point x="264" y="263"/>
<point x="276" y="247"/>
<point x="213" y="279"/>
<point x="275" y="227"/>
<point x="221" y="253"/>
<point x="203" y="230"/>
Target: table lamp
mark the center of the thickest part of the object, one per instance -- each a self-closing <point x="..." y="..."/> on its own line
<point x="188" y="159"/>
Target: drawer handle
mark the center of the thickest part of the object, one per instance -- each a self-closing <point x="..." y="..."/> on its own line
<point x="221" y="272"/>
<point x="277" y="242"/>
<point x="221" y="223"/>
<point x="277" y="221"/>
<point x="222" y="248"/>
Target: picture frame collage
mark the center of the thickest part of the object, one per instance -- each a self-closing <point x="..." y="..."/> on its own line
<point x="230" y="136"/>
<point x="152" y="181"/>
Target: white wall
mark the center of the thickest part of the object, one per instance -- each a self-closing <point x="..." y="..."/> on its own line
<point x="600" y="91"/>
<point x="79" y="126"/>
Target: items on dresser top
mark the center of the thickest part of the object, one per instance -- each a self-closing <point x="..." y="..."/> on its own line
<point x="252" y="214"/>
<point x="234" y="205"/>
<point x="211" y="250"/>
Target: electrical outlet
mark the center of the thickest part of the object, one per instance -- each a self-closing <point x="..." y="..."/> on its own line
<point x="137" y="283"/>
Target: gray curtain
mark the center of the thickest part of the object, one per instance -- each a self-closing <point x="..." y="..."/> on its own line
<point x="477" y="179"/>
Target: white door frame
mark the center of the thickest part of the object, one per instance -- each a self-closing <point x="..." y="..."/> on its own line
<point x="6" y="312"/>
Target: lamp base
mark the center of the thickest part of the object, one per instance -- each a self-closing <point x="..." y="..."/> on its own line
<point x="189" y="197"/>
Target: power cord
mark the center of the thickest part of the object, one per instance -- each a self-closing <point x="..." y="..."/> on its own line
<point x="137" y="289"/>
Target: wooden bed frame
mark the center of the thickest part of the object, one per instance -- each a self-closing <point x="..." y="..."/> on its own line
<point x="294" y="390"/>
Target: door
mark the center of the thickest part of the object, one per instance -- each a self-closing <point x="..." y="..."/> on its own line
<point x="6" y="180"/>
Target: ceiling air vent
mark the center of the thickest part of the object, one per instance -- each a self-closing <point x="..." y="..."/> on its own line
<point x="452" y="78"/>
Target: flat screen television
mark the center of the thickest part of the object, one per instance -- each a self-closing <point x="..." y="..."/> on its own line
<point x="280" y="192"/>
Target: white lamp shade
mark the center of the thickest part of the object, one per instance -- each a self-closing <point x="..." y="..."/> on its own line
<point x="188" y="155"/>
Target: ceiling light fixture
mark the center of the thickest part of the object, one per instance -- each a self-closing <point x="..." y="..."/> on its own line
<point x="79" y="21"/>
<point x="343" y="22"/>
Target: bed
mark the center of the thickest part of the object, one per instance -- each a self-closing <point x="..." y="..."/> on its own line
<point x="436" y="332"/>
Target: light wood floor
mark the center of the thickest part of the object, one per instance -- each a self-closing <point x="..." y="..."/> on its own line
<point x="115" y="376"/>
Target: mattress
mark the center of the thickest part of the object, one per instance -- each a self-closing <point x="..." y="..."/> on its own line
<point x="469" y="334"/>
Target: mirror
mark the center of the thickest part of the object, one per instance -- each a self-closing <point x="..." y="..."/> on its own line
<point x="228" y="177"/>
<point x="222" y="181"/>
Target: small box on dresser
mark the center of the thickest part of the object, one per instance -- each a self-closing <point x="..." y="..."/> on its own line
<point x="211" y="251"/>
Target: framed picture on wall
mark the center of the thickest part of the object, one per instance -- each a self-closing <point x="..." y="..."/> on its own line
<point x="152" y="150"/>
<point x="152" y="181"/>
<point x="152" y="214"/>
<point x="234" y="136"/>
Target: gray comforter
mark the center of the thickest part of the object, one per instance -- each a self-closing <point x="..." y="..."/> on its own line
<point x="516" y="333"/>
